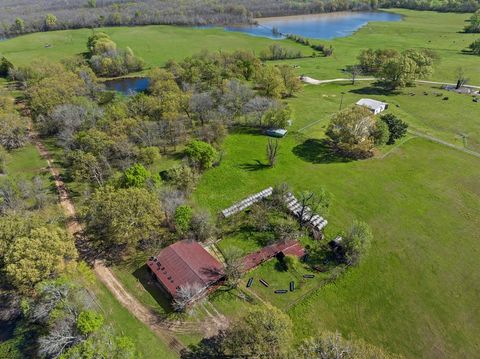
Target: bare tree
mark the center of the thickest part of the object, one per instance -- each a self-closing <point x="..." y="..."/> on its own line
<point x="461" y="77"/>
<point x="312" y="203"/>
<point x="171" y="198"/>
<point x="354" y="71"/>
<point x="202" y="104"/>
<point x="202" y="225"/>
<point x="185" y="294"/>
<point x="233" y="265"/>
<point x="272" y="152"/>
<point x="38" y="192"/>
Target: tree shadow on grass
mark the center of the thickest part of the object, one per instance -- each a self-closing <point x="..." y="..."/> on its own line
<point x="246" y="130"/>
<point x="373" y="90"/>
<point x="148" y="282"/>
<point x="256" y="166"/>
<point x="318" y="151"/>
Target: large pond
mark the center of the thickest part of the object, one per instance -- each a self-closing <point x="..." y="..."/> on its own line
<point x="317" y="26"/>
<point x="128" y="85"/>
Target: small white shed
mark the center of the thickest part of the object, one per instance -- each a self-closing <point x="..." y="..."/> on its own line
<point x="375" y="106"/>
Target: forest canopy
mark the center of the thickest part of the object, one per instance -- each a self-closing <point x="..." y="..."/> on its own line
<point x="45" y="15"/>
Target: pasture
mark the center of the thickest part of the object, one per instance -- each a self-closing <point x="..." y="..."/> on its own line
<point x="440" y="32"/>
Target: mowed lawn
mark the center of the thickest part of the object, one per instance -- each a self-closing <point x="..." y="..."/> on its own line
<point x="430" y="114"/>
<point x="155" y="44"/>
<point x="417" y="292"/>
<point x="440" y="32"/>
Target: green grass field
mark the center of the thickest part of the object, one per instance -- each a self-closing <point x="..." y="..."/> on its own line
<point x="157" y="44"/>
<point x="429" y="114"/>
<point x="421" y="278"/>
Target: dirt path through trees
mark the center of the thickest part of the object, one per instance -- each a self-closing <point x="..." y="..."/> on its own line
<point x="142" y="313"/>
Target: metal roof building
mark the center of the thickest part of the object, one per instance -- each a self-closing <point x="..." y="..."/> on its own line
<point x="185" y="262"/>
<point x="290" y="247"/>
<point x="375" y="106"/>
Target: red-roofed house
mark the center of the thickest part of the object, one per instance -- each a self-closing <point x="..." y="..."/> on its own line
<point x="185" y="263"/>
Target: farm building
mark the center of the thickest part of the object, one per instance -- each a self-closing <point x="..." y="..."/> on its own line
<point x="281" y="249"/>
<point x="375" y="106"/>
<point x="185" y="263"/>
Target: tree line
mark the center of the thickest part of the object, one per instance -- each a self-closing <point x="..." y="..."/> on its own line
<point x="33" y="16"/>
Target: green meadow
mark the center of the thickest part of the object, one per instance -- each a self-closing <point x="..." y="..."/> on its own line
<point x="416" y="292"/>
<point x="157" y="44"/>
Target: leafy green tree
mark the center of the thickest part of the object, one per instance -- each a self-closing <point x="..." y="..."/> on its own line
<point x="291" y="81"/>
<point x="396" y="127"/>
<point x="89" y="322"/>
<point x="277" y="116"/>
<point x="138" y="176"/>
<point x="50" y="21"/>
<point x="381" y="134"/>
<point x="19" y="25"/>
<point x="201" y="154"/>
<point x="14" y="226"/>
<point x="474" y="46"/>
<point x="120" y="218"/>
<point x="351" y="131"/>
<point x="261" y="333"/>
<point x="58" y="89"/>
<point x="183" y="218"/>
<point x="397" y="69"/>
<point x="356" y="242"/>
<point x="87" y="167"/>
<point x="5" y="67"/>
<point x="474" y="23"/>
<point x="270" y="81"/>
<point x="372" y="61"/>
<point x="43" y="253"/>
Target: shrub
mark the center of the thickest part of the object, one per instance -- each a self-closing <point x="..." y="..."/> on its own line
<point x="201" y="154"/>
<point x="89" y="322"/>
<point x="183" y="218"/>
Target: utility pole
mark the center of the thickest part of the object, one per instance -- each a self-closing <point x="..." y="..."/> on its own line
<point x="341" y="101"/>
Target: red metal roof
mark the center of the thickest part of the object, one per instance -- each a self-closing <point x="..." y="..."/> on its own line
<point x="290" y="247"/>
<point x="185" y="262"/>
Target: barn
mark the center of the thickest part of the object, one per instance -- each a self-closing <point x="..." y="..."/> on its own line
<point x="373" y="105"/>
<point x="185" y="263"/>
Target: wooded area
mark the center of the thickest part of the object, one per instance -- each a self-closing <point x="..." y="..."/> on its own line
<point x="33" y="16"/>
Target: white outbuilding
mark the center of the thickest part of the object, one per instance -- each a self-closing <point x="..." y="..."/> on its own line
<point x="375" y="106"/>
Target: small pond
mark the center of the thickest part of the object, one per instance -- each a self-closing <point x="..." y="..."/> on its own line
<point x="128" y="85"/>
<point x="316" y="26"/>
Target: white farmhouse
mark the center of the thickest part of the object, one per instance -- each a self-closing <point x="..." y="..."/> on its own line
<point x="375" y="106"/>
